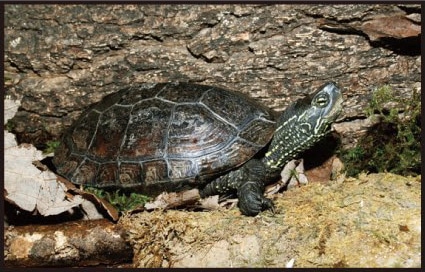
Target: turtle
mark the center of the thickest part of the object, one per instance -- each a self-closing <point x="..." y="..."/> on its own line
<point x="156" y="137"/>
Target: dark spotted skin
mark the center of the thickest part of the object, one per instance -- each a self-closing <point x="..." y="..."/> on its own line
<point x="248" y="181"/>
<point x="170" y="136"/>
<point x="301" y="125"/>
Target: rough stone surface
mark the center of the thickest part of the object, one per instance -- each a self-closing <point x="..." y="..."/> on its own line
<point x="61" y="58"/>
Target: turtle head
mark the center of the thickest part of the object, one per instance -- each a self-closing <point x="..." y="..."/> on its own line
<point x="314" y="114"/>
<point x="304" y="123"/>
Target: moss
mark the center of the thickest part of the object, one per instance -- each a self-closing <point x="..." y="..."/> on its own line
<point x="51" y="147"/>
<point x="9" y="126"/>
<point x="370" y="221"/>
<point x="122" y="201"/>
<point x="394" y="144"/>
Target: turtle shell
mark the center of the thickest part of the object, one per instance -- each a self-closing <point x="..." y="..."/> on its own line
<point x="163" y="135"/>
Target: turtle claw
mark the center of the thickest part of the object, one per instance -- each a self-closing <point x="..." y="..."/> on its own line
<point x="268" y="205"/>
<point x="251" y="199"/>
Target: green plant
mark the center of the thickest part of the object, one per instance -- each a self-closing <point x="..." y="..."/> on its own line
<point x="51" y="147"/>
<point x="120" y="200"/>
<point x="392" y="145"/>
<point x="9" y="126"/>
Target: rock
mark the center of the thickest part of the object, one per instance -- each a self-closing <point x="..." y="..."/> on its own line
<point x="57" y="65"/>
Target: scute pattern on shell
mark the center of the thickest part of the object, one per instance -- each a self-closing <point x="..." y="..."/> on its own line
<point x="163" y="135"/>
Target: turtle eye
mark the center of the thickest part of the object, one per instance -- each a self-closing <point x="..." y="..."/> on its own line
<point x="322" y="100"/>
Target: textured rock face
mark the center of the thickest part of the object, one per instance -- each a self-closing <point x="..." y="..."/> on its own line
<point x="61" y="58"/>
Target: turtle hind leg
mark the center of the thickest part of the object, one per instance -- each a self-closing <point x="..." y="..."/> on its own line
<point x="248" y="182"/>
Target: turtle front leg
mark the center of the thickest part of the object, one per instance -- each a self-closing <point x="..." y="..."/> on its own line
<point x="251" y="199"/>
<point x="248" y="182"/>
